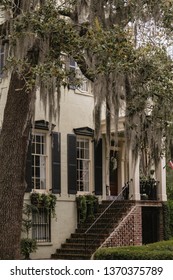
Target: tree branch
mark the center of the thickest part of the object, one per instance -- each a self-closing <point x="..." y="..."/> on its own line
<point x="81" y="61"/>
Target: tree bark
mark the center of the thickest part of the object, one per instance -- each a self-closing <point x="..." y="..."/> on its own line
<point x="13" y="150"/>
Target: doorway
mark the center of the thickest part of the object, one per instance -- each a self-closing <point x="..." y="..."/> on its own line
<point x="150" y="225"/>
<point x="113" y="173"/>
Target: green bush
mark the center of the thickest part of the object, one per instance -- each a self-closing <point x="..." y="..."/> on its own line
<point x="170" y="206"/>
<point x="27" y="246"/>
<point x="87" y="206"/>
<point x="166" y="221"/>
<point x="162" y="250"/>
<point x="169" y="183"/>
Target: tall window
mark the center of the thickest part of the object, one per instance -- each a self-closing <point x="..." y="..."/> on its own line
<point x="2" y="55"/>
<point x="83" y="164"/>
<point x="77" y="79"/>
<point x="39" y="161"/>
<point x="41" y="225"/>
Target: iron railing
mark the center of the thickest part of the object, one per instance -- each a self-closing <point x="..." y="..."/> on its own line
<point x="110" y="220"/>
<point x="41" y="222"/>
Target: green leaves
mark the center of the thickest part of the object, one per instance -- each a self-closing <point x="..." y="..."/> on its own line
<point x="102" y="39"/>
<point x="47" y="201"/>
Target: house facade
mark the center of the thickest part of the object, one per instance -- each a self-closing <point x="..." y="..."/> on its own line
<point x="65" y="160"/>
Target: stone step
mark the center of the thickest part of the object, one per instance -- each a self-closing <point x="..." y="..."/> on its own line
<point x="82" y="240"/>
<point x="112" y="209"/>
<point x="80" y="246"/>
<point x="73" y="251"/>
<point x="77" y="248"/>
<point x="103" y="223"/>
<point x="105" y="218"/>
<point x="70" y="256"/>
<point x="90" y="236"/>
<point x="96" y="229"/>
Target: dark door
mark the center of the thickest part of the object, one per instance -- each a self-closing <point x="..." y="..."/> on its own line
<point x="150" y="225"/>
<point x="113" y="173"/>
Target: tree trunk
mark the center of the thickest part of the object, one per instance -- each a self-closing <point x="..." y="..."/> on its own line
<point x="13" y="150"/>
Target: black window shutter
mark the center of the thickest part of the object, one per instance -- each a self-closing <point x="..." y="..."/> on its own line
<point x="98" y="167"/>
<point x="56" y="162"/>
<point x="72" y="168"/>
<point x="28" y="171"/>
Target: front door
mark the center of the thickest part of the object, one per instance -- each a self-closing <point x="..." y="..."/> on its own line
<point x="113" y="173"/>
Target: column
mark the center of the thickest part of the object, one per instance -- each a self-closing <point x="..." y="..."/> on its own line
<point x="134" y="188"/>
<point x="161" y="178"/>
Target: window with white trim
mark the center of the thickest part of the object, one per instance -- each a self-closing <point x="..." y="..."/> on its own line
<point x="83" y="164"/>
<point x="77" y="79"/>
<point x="39" y="161"/>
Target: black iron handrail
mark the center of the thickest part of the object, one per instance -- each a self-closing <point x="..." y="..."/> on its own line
<point x="122" y="195"/>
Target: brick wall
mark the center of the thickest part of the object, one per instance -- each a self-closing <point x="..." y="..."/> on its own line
<point x="161" y="225"/>
<point x="128" y="232"/>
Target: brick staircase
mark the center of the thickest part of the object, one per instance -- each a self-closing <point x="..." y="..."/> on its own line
<point x="91" y="234"/>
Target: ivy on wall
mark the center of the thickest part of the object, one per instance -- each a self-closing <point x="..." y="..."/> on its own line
<point x="47" y="201"/>
<point x="87" y="207"/>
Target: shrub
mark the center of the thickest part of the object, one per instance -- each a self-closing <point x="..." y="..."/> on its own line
<point x="157" y="251"/>
<point x="166" y="221"/>
<point x="27" y="246"/>
<point x="170" y="205"/>
<point x="87" y="206"/>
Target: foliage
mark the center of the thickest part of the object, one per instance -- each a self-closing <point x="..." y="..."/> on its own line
<point x="162" y="250"/>
<point x="104" y="46"/>
<point x="148" y="188"/>
<point x="47" y="201"/>
<point x="169" y="204"/>
<point x="40" y="36"/>
<point x="27" y="218"/>
<point x="27" y="245"/>
<point x="149" y="104"/>
<point x="169" y="182"/>
<point x="166" y="221"/>
<point x="170" y="212"/>
<point x="87" y="206"/>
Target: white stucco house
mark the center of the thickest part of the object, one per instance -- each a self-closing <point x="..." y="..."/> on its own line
<point x="66" y="161"/>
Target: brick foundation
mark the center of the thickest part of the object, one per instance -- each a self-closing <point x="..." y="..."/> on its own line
<point x="129" y="231"/>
